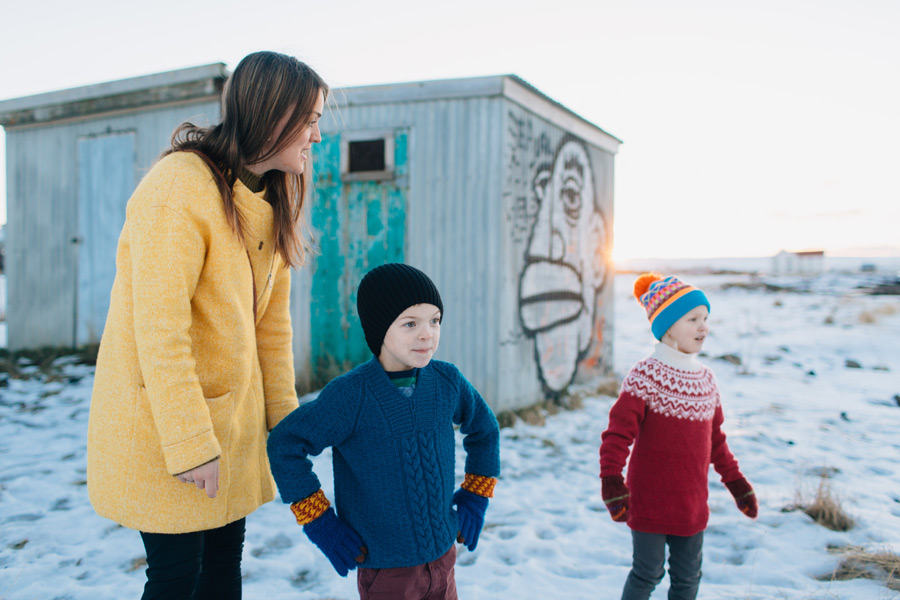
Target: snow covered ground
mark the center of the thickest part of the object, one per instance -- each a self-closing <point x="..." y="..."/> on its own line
<point x="794" y="409"/>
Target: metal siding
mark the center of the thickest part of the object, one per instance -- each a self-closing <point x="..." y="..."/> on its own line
<point x="559" y="251"/>
<point x="450" y="223"/>
<point x="452" y="219"/>
<point x="105" y="181"/>
<point x="521" y="384"/>
<point x="359" y="224"/>
<point x="471" y="214"/>
<point x="301" y="286"/>
<point x="41" y="224"/>
<point x="605" y="162"/>
<point x="326" y="220"/>
<point x="42" y="213"/>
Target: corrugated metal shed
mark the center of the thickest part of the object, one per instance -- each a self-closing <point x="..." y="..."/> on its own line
<point x="503" y="196"/>
<point x="73" y="159"/>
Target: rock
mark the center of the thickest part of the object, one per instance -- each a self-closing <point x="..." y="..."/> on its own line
<point x="731" y="358"/>
<point x="852" y="364"/>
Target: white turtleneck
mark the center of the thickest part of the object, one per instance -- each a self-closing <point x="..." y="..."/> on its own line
<point x="675" y="358"/>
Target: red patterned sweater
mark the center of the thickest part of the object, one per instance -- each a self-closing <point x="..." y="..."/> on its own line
<point x="669" y="407"/>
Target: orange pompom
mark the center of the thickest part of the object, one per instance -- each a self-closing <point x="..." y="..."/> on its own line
<point x="644" y="282"/>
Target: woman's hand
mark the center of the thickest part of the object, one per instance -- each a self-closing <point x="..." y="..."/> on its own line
<point x="205" y="476"/>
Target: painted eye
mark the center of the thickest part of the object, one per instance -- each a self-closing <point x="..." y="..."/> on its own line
<point x="571" y="199"/>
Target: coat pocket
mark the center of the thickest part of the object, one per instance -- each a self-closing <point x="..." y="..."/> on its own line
<point x="221" y="413"/>
<point x="157" y="501"/>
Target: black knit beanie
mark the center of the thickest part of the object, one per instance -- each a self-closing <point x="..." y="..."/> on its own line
<point x="385" y="292"/>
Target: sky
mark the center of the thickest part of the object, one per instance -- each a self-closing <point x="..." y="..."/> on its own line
<point x="748" y="127"/>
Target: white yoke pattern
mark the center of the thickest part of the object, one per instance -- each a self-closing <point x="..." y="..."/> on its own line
<point x="686" y="391"/>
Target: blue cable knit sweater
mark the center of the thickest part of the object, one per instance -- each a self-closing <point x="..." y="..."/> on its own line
<point x="393" y="457"/>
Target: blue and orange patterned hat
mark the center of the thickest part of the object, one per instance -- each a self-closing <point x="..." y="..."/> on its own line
<point x="666" y="299"/>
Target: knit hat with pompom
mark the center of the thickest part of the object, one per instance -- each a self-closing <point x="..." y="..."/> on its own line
<point x="666" y="299"/>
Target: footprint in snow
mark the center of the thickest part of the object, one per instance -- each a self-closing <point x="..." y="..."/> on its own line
<point x="273" y="545"/>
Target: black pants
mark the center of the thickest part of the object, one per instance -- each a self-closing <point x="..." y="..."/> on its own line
<point x="203" y="565"/>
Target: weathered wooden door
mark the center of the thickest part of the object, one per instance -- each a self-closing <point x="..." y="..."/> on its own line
<point x="358" y="224"/>
<point x="105" y="182"/>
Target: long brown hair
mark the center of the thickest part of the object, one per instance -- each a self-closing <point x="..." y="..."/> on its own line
<point x="264" y="87"/>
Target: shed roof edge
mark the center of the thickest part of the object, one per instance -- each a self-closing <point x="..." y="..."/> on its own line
<point x="510" y="86"/>
<point x="113" y="88"/>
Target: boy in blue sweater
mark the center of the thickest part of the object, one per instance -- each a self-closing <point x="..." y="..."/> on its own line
<point x="390" y="424"/>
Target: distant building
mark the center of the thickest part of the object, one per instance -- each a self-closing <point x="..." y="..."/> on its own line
<point x="799" y="263"/>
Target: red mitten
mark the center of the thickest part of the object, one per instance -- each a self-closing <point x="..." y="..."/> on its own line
<point x="616" y="497"/>
<point x="744" y="496"/>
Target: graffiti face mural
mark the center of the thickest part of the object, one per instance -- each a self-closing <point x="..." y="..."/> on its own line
<point x="565" y="264"/>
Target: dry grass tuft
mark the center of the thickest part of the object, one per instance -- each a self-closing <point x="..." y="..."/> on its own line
<point x="859" y="563"/>
<point x="874" y="314"/>
<point x="867" y="317"/>
<point x="506" y="418"/>
<point x="609" y="387"/>
<point x="887" y="310"/>
<point x="572" y="399"/>
<point x="825" y="508"/>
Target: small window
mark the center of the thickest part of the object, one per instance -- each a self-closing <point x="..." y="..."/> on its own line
<point x="366" y="155"/>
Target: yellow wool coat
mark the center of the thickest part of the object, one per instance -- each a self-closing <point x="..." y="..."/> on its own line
<point x="191" y="367"/>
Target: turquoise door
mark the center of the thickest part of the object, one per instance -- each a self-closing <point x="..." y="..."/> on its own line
<point x="105" y="182"/>
<point x="358" y="225"/>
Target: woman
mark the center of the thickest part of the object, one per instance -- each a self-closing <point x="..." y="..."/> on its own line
<point x="195" y="364"/>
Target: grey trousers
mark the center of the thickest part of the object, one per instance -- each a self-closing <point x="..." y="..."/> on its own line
<point x="648" y="568"/>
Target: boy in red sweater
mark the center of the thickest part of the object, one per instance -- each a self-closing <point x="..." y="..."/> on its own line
<point x="669" y="407"/>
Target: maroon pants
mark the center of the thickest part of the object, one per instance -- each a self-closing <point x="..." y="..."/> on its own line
<point x="431" y="581"/>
